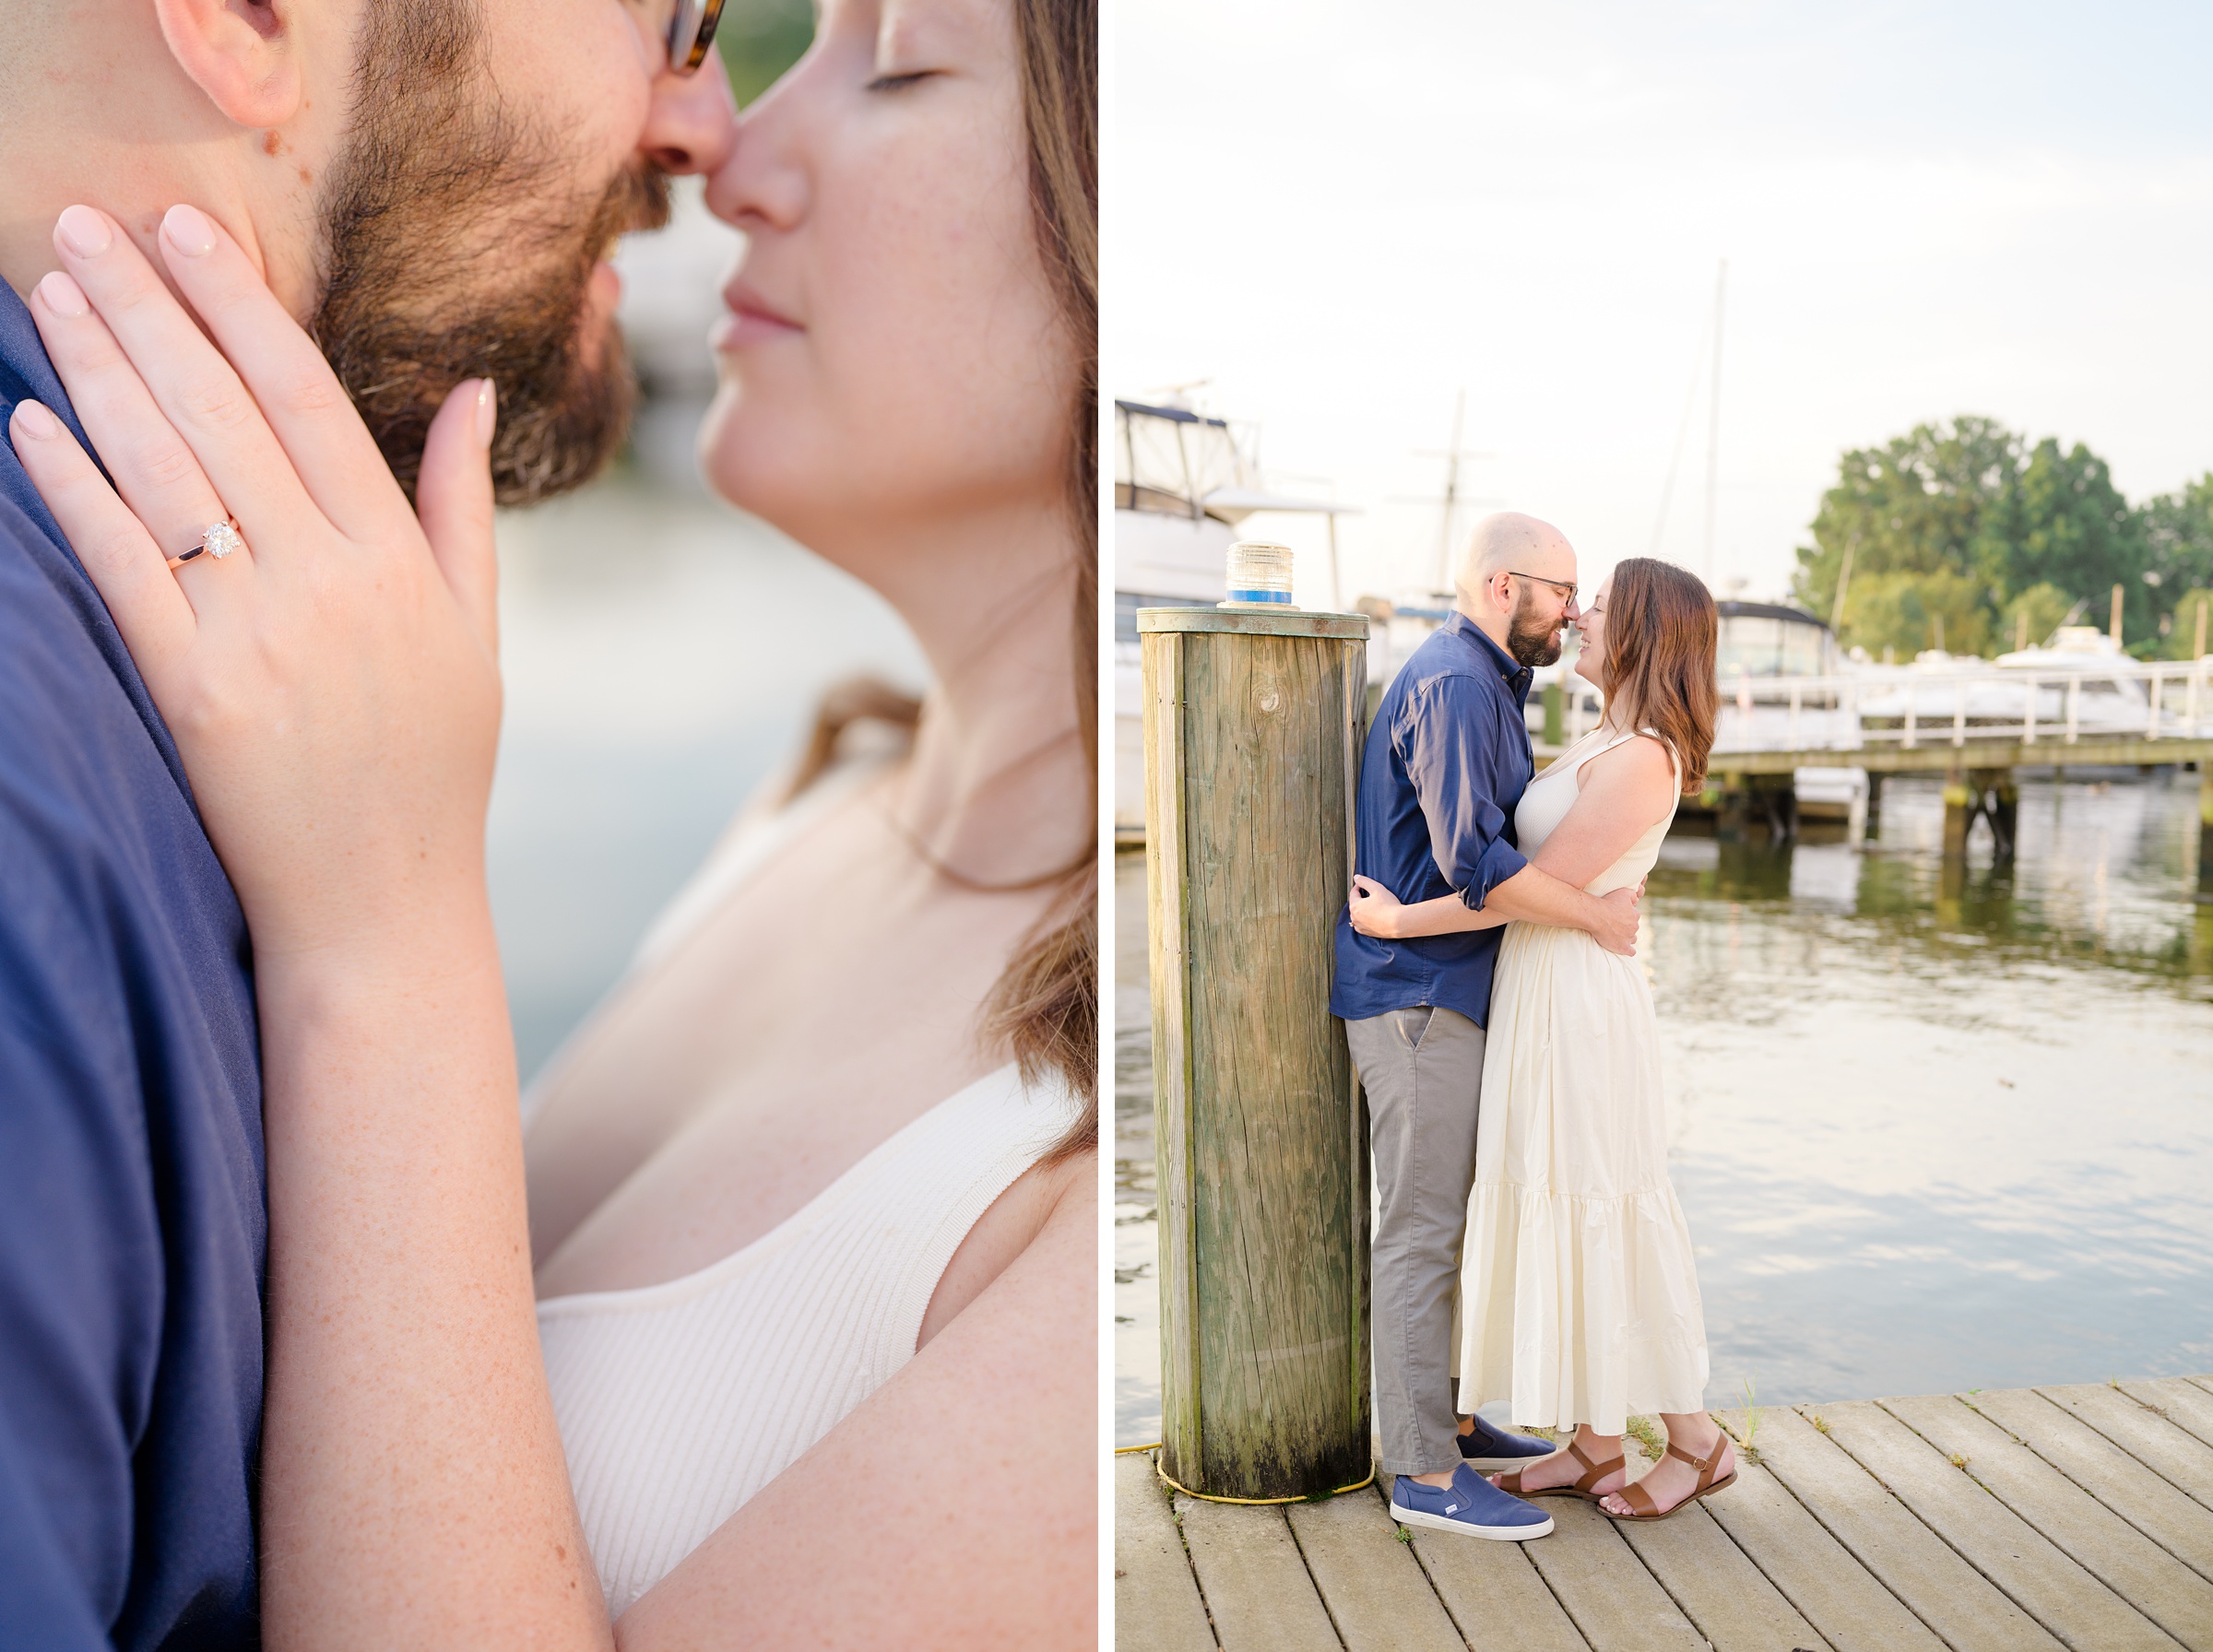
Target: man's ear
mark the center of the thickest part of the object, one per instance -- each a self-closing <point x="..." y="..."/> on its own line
<point x="240" y="52"/>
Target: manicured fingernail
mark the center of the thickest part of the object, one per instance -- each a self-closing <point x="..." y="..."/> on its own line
<point x="189" y="231"/>
<point x="83" y="232"/>
<point x="488" y="411"/>
<point x="64" y="296"/>
<point x="34" y="420"/>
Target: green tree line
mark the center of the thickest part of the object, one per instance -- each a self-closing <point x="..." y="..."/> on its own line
<point x="1967" y="536"/>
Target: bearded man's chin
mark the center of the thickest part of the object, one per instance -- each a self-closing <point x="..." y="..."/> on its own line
<point x="1534" y="650"/>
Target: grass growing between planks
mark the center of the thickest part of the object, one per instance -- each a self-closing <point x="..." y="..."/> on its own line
<point x="1748" y="1446"/>
<point x="1645" y="1431"/>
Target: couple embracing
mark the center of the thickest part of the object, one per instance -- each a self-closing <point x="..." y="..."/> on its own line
<point x="787" y="1337"/>
<point x="1526" y="1237"/>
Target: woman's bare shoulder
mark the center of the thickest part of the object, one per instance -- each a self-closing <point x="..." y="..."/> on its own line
<point x="1645" y="760"/>
<point x="996" y="1414"/>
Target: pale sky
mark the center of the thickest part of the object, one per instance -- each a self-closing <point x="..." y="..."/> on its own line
<point x="1342" y="213"/>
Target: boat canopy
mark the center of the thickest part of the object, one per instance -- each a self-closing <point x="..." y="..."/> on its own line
<point x="1766" y="639"/>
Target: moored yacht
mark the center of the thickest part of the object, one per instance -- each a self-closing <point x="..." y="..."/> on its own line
<point x="1183" y="482"/>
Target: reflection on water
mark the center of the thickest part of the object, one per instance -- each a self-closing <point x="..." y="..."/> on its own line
<point x="661" y="652"/>
<point x="1933" y="1130"/>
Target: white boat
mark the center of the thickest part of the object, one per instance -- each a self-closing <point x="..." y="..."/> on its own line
<point x="1183" y="482"/>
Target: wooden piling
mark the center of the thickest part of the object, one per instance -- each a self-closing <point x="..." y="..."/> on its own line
<point x="1959" y="814"/>
<point x="1253" y="723"/>
<point x="2000" y="795"/>
<point x="2205" y="833"/>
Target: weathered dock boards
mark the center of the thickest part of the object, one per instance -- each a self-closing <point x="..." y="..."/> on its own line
<point x="2078" y="1517"/>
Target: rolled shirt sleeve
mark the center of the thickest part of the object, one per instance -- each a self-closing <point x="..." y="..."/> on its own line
<point x="1451" y="747"/>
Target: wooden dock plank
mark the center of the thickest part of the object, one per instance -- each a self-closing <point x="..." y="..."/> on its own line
<point x="1493" y="1592"/>
<point x="2168" y="1451"/>
<point x="2177" y="1523"/>
<point x="1254" y="1578"/>
<point x="1724" y="1595"/>
<point x="1377" y="1592"/>
<point x="1852" y="1610"/>
<point x="1866" y="1538"/>
<point x="1156" y="1602"/>
<point x="2036" y="1574"/>
<point x="1963" y="1608"/>
<point x="1618" y="1605"/>
<point x="2116" y="1554"/>
<point x="2181" y="1402"/>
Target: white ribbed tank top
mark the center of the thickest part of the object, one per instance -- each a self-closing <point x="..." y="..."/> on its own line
<point x="678" y="1402"/>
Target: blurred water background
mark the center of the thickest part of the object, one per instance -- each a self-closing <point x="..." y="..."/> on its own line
<point x="1932" y="1132"/>
<point x="662" y="650"/>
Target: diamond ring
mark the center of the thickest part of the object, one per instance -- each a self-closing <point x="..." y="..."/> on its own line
<point x="219" y="540"/>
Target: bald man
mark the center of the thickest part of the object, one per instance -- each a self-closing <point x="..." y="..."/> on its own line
<point x="1447" y="760"/>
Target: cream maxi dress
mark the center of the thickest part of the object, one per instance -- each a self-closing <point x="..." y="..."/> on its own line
<point x="1578" y="1295"/>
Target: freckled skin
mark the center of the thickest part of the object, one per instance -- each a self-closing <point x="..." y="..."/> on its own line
<point x="271" y="144"/>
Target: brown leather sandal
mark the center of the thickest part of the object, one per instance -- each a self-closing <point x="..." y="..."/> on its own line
<point x="1640" y="1500"/>
<point x="1511" y="1479"/>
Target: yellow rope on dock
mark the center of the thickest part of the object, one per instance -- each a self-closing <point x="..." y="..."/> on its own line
<point x="1244" y="1501"/>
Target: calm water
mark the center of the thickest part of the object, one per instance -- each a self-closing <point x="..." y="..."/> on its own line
<point x="662" y="652"/>
<point x="1928" y="1136"/>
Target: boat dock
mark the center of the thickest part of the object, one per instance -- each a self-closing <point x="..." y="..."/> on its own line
<point x="2021" y="1520"/>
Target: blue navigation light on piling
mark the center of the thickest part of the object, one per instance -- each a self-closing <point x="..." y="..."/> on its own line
<point x="1259" y="574"/>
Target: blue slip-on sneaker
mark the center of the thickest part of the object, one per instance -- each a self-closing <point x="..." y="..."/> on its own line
<point x="1471" y="1505"/>
<point x="1493" y="1450"/>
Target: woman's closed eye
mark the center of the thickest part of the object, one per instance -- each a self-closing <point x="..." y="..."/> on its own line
<point x="894" y="80"/>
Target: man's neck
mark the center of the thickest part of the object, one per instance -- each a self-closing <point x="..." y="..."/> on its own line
<point x="130" y="134"/>
<point x="1483" y="617"/>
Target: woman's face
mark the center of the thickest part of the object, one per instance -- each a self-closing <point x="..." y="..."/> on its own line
<point x="1590" y="659"/>
<point x="892" y="349"/>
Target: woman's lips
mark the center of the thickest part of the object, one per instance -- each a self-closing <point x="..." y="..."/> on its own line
<point x="747" y="320"/>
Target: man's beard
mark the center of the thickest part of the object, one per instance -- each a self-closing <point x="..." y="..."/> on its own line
<point x="457" y="246"/>
<point x="1530" y="640"/>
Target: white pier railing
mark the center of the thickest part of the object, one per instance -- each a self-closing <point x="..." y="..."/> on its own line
<point x="1909" y="707"/>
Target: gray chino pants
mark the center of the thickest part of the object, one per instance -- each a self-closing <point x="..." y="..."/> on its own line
<point x="1423" y="1072"/>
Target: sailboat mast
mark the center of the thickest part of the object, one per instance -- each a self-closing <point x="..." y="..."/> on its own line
<point x="1444" y="537"/>
<point x="1713" y="426"/>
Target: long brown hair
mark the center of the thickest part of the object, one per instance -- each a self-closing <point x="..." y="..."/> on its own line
<point x="1045" y="1008"/>
<point x="1660" y="634"/>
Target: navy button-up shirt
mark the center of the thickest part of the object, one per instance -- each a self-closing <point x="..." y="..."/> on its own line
<point x="1446" y="762"/>
<point x="132" y="1219"/>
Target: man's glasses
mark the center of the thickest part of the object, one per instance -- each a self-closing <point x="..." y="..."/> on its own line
<point x="1565" y="587"/>
<point x="685" y="27"/>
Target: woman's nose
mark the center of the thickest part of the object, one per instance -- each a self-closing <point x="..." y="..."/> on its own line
<point x="691" y="124"/>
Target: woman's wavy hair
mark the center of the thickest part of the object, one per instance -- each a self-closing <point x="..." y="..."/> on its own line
<point x="1045" y="1008"/>
<point x="1661" y="635"/>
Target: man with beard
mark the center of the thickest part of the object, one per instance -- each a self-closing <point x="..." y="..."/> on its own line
<point x="1446" y="759"/>
<point x="433" y="185"/>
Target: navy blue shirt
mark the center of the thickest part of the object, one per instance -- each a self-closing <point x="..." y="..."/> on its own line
<point x="133" y="1212"/>
<point x="1446" y="762"/>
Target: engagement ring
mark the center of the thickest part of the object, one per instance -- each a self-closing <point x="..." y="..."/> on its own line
<point x="219" y="540"/>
